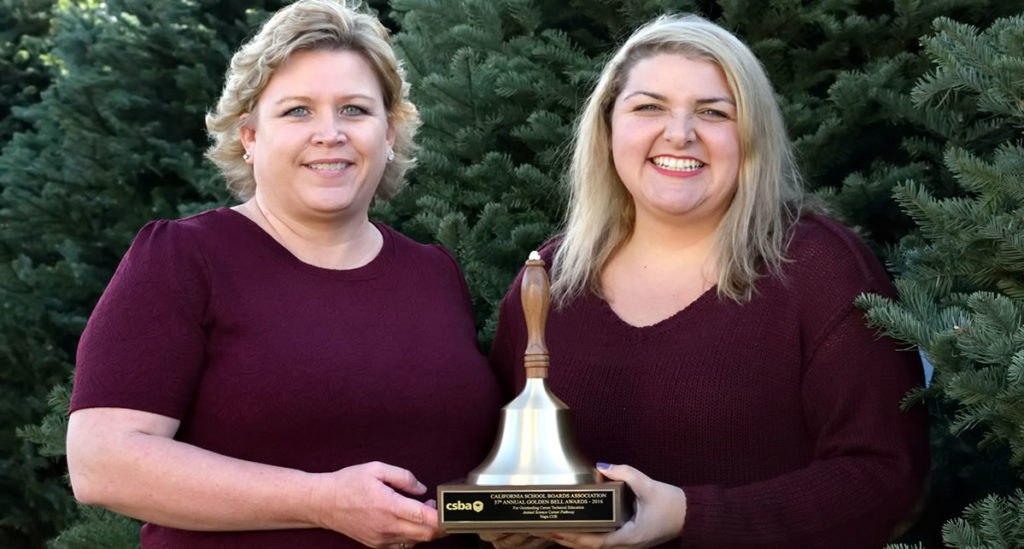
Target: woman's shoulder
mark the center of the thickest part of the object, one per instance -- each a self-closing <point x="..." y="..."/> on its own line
<point x="811" y="226"/>
<point x="190" y="236"/>
<point x="825" y="251"/>
<point x="206" y="224"/>
<point x="411" y="251"/>
<point x="547" y="252"/>
<point x="169" y="255"/>
<point x="198" y="239"/>
<point x="548" y="249"/>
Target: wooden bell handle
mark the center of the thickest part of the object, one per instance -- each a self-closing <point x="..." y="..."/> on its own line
<point x="536" y="295"/>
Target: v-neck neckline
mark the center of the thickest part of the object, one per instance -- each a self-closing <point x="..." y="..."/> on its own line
<point x="668" y="322"/>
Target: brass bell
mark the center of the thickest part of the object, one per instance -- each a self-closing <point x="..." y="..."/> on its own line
<point x="535" y="444"/>
<point x="534" y="479"/>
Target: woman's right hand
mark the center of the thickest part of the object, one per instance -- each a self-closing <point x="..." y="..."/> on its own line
<point x="364" y="503"/>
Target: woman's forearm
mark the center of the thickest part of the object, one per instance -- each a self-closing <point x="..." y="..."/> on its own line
<point x="126" y="461"/>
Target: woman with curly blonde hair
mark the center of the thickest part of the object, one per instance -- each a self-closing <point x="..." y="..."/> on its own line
<point x="279" y="373"/>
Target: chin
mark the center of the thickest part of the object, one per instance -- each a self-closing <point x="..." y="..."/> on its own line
<point x="678" y="209"/>
<point x="326" y="205"/>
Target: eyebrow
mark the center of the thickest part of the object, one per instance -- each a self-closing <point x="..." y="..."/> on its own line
<point x="305" y="99"/>
<point x="716" y="100"/>
<point x="661" y="97"/>
<point x="657" y="96"/>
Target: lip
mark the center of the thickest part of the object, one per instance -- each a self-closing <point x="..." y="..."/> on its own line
<point x="308" y="165"/>
<point x="671" y="173"/>
<point x="327" y="161"/>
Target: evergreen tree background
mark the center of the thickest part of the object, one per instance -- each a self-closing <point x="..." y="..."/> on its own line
<point x="499" y="83"/>
<point x="24" y="32"/>
<point x="961" y="274"/>
<point x="116" y="140"/>
<point x="24" y="498"/>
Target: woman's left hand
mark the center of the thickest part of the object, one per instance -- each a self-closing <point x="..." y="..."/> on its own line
<point x="659" y="513"/>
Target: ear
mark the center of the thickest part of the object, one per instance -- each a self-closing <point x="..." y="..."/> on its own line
<point x="246" y="132"/>
<point x="392" y="131"/>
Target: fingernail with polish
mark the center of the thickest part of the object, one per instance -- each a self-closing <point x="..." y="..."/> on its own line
<point x="602" y="466"/>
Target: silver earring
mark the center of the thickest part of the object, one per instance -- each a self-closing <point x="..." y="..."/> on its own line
<point x="391" y="154"/>
<point x="246" y="156"/>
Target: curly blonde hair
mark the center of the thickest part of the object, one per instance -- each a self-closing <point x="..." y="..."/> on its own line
<point x="313" y="25"/>
<point x="769" y="197"/>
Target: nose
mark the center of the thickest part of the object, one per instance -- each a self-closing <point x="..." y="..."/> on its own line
<point x="679" y="129"/>
<point x="329" y="131"/>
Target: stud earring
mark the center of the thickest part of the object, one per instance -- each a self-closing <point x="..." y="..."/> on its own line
<point x="246" y="156"/>
<point x="391" y="154"/>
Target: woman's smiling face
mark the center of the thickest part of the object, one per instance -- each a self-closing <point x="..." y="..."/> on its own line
<point x="675" y="140"/>
<point x="321" y="135"/>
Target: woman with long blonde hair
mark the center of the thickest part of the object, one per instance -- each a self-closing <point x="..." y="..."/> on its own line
<point x="704" y="331"/>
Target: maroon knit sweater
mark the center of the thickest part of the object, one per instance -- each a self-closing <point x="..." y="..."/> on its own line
<point x="779" y="418"/>
<point x="266" y="358"/>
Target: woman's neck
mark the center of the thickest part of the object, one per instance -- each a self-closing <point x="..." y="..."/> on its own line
<point x="671" y="242"/>
<point x="660" y="270"/>
<point x="340" y="243"/>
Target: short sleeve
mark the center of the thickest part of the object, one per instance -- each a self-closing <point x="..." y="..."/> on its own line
<point x="143" y="346"/>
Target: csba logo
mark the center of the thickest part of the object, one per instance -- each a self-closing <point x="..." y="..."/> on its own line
<point x="460" y="506"/>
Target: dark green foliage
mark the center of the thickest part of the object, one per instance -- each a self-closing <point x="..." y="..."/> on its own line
<point x="98" y="527"/>
<point x="994" y="522"/>
<point x="115" y="141"/>
<point x="95" y="527"/>
<point x="499" y="84"/>
<point x="872" y="136"/>
<point x="487" y="75"/>
<point x="961" y="285"/>
<point x="24" y="41"/>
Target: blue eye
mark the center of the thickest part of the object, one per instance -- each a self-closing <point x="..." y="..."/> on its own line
<point x="713" y="113"/>
<point x="352" y="110"/>
<point x="647" y="107"/>
<point x="297" y="111"/>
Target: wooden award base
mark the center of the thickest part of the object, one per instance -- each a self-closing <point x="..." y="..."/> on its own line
<point x="599" y="507"/>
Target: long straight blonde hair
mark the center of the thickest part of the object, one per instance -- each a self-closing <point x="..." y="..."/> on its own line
<point x="751" y="239"/>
